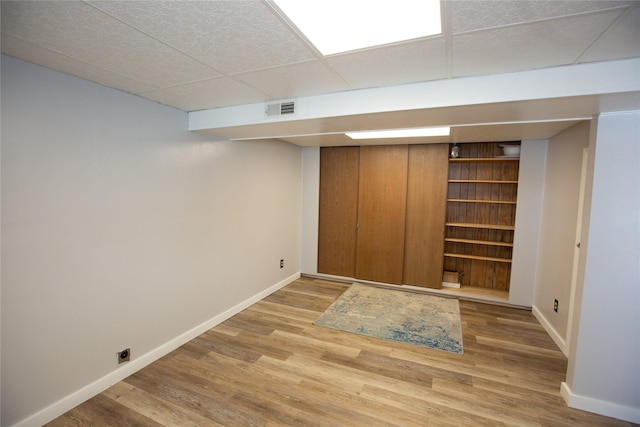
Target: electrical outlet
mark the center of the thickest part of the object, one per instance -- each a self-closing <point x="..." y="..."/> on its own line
<point x="282" y="263"/>
<point x="124" y="355"/>
<point x="555" y="305"/>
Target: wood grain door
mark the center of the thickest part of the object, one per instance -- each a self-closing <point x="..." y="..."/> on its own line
<point x="338" y="212"/>
<point x="382" y="197"/>
<point x="426" y="214"/>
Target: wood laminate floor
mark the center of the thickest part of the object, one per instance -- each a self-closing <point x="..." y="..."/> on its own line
<point x="269" y="366"/>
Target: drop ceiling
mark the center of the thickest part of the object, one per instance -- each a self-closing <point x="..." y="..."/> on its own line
<point x="213" y="55"/>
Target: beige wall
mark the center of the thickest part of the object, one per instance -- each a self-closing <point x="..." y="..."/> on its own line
<point x="122" y="229"/>
<point x="528" y="220"/>
<point x="310" y="208"/>
<point x="558" y="230"/>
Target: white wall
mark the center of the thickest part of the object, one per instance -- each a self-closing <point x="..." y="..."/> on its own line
<point x="310" y="208"/>
<point x="604" y="355"/>
<point x="122" y="229"/>
<point x="558" y="231"/>
<point x="533" y="155"/>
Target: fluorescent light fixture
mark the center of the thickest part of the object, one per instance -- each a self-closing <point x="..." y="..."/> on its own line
<point x="335" y="26"/>
<point x="400" y="133"/>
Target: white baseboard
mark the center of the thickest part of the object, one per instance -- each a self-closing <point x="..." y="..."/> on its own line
<point x="76" y="398"/>
<point x="560" y="342"/>
<point x="601" y="407"/>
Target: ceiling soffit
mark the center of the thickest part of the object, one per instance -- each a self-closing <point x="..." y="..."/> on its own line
<point x="517" y="98"/>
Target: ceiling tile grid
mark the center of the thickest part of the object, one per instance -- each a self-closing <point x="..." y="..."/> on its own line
<point x="614" y="43"/>
<point x="231" y="36"/>
<point x="400" y="63"/>
<point x="534" y="45"/>
<point x="213" y="93"/>
<point x="79" y="31"/>
<point x="303" y="79"/>
<point x="32" y="53"/>
<point x="473" y="15"/>
<point x="196" y="55"/>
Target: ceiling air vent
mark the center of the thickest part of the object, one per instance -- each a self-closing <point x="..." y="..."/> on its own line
<point x="280" y="109"/>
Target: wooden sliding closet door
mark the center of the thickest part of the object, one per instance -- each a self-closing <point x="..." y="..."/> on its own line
<point x="381" y="213"/>
<point x="426" y="214"/>
<point x="338" y="214"/>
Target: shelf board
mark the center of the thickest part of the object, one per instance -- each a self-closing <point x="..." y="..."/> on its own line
<point x="478" y="257"/>
<point x="485" y="160"/>
<point x="497" y="202"/>
<point x="485" y="226"/>
<point x="479" y="242"/>
<point x="480" y="181"/>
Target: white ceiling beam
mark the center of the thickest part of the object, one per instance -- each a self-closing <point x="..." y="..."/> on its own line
<point x="327" y="113"/>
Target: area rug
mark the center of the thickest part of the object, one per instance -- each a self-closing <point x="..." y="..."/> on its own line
<point x="407" y="317"/>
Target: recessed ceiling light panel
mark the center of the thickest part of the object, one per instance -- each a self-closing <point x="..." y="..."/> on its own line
<point x="335" y="26"/>
<point x="400" y="133"/>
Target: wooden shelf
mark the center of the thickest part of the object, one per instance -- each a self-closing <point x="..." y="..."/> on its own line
<point x="497" y="202"/>
<point x="478" y="257"/>
<point x="485" y="160"/>
<point x="480" y="181"/>
<point x="484" y="226"/>
<point x="479" y="242"/>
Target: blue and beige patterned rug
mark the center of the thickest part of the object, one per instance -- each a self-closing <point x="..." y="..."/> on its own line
<point x="408" y="317"/>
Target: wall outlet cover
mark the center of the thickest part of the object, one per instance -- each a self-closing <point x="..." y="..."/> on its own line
<point x="124" y="355"/>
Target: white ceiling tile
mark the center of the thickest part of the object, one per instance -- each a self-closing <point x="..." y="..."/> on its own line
<point x="528" y="46"/>
<point x="304" y="79"/>
<point x="391" y="65"/>
<point x="80" y="31"/>
<point x="470" y="15"/>
<point x="232" y="36"/>
<point x="35" y="54"/>
<point x="206" y="94"/>
<point x="614" y="43"/>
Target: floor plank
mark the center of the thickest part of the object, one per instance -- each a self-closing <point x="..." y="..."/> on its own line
<point x="270" y="366"/>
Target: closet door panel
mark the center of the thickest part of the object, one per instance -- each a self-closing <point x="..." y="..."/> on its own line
<point x="338" y="213"/>
<point x="381" y="213"/>
<point x="426" y="215"/>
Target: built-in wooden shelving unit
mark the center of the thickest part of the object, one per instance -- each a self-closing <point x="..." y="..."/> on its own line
<point x="481" y="204"/>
